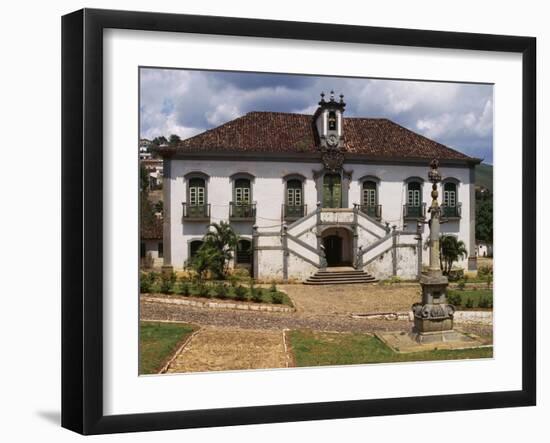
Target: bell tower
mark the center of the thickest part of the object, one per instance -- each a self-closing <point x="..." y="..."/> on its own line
<point x="329" y="121"/>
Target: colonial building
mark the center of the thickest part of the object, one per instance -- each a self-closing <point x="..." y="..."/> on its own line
<point x="307" y="192"/>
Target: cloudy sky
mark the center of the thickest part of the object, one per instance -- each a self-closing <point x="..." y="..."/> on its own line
<point x="188" y="102"/>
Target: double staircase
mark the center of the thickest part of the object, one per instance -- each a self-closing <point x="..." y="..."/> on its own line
<point x="340" y="276"/>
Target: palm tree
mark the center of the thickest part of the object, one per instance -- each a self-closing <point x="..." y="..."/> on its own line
<point x="221" y="238"/>
<point x="451" y="250"/>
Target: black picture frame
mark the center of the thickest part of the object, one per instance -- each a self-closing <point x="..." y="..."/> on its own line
<point x="82" y="259"/>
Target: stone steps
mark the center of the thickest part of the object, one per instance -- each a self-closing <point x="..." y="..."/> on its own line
<point x="340" y="278"/>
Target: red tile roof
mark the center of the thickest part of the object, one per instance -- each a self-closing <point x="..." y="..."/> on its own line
<point x="278" y="132"/>
<point x="151" y="228"/>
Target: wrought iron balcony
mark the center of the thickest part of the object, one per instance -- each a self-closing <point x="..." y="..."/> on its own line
<point x="414" y="211"/>
<point x="294" y="212"/>
<point x="242" y="211"/>
<point x="196" y="212"/>
<point x="451" y="211"/>
<point x="374" y="211"/>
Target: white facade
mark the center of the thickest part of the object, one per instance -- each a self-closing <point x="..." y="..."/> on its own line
<point x="397" y="256"/>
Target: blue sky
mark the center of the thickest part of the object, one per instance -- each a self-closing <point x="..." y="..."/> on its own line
<point x="187" y="102"/>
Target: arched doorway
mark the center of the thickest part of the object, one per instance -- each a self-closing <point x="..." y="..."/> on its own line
<point x="338" y="245"/>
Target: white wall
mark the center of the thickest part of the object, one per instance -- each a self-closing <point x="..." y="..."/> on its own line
<point x="268" y="191"/>
<point x="30" y="386"/>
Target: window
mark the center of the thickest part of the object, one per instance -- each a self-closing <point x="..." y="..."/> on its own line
<point x="369" y="193"/>
<point x="294" y="193"/>
<point x="413" y="194"/>
<point x="449" y="195"/>
<point x="332" y="191"/>
<point x="197" y="192"/>
<point x="161" y="250"/>
<point x="194" y="247"/>
<point x="142" y="249"/>
<point x="242" y="191"/>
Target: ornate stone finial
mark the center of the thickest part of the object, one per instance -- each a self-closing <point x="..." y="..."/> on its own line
<point x="434" y="174"/>
<point x="322" y="97"/>
<point x="341" y="98"/>
<point x="331" y="95"/>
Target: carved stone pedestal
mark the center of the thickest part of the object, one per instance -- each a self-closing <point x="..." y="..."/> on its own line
<point x="433" y="318"/>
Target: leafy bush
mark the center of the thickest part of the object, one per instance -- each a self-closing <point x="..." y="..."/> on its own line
<point x="455" y="299"/>
<point x="256" y="294"/>
<point x="203" y="290"/>
<point x="455" y="274"/>
<point x="277" y="298"/>
<point x="484" y="271"/>
<point x="185" y="288"/>
<point x="273" y="288"/>
<point x="483" y="303"/>
<point x="221" y="291"/>
<point x="469" y="303"/>
<point x="240" y="293"/>
<point x="167" y="282"/>
<point x="461" y="285"/>
<point x="489" y="280"/>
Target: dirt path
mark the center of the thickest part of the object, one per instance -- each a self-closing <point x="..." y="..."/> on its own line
<point x="216" y="349"/>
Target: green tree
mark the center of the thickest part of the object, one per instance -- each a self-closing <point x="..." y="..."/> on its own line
<point x="143" y="178"/>
<point x="216" y="251"/>
<point x="160" y="140"/>
<point x="173" y="139"/>
<point x="484" y="216"/>
<point x="451" y="250"/>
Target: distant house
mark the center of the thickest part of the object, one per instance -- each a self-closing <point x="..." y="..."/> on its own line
<point x="307" y="192"/>
<point x="154" y="168"/>
<point x="145" y="149"/>
<point x="151" y="245"/>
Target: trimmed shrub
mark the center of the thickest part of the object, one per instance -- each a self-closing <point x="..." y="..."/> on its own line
<point x="256" y="295"/>
<point x="483" y="303"/>
<point x="273" y="288"/>
<point x="221" y="291"/>
<point x="461" y="285"/>
<point x="484" y="271"/>
<point x="185" y="288"/>
<point x="240" y="293"/>
<point x="277" y="298"/>
<point x="167" y="283"/>
<point x="203" y="290"/>
<point x="455" y="299"/>
<point x="469" y="303"/>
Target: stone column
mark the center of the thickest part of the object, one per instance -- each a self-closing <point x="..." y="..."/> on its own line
<point x="284" y="241"/>
<point x="167" y="266"/>
<point x="255" y="251"/>
<point x="433" y="317"/>
<point x="472" y="258"/>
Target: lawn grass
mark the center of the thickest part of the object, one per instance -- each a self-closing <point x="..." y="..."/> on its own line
<point x="158" y="342"/>
<point x="475" y="295"/>
<point x="325" y="349"/>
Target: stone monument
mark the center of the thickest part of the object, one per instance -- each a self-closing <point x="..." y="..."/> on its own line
<point x="433" y="317"/>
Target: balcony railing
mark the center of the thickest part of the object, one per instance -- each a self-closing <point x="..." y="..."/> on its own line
<point x="414" y="211"/>
<point x="294" y="212"/>
<point x="242" y="211"/>
<point x="452" y="211"/>
<point x="374" y="211"/>
<point x="196" y="212"/>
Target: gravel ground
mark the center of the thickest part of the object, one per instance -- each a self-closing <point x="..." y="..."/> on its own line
<point x="320" y="308"/>
<point x="347" y="299"/>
